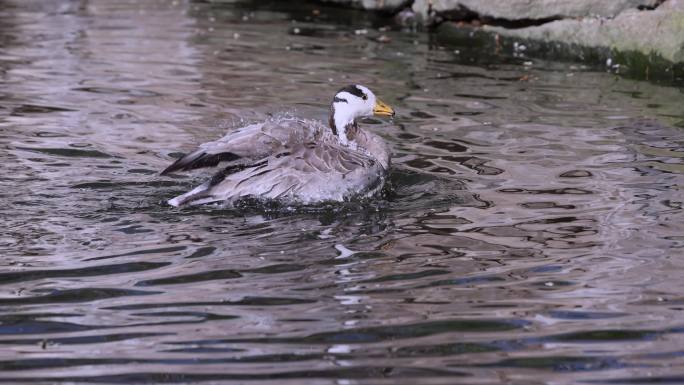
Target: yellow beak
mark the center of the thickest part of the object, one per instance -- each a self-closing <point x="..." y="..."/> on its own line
<point x="382" y="109"/>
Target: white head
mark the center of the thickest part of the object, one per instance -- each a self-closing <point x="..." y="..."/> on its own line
<point x="352" y="102"/>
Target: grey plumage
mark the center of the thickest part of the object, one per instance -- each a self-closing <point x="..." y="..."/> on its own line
<point x="288" y="159"/>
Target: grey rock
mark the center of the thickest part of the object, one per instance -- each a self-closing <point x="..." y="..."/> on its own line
<point x="378" y="5"/>
<point x="660" y="31"/>
<point x="654" y="28"/>
<point x="531" y="9"/>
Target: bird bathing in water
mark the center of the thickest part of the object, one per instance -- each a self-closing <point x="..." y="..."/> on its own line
<point x="294" y="160"/>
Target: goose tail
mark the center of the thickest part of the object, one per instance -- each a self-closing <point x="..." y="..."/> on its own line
<point x="198" y="195"/>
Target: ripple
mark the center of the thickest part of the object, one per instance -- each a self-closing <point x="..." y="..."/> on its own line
<point x="247" y="301"/>
<point x="607" y="335"/>
<point x="68" y="152"/>
<point x="165" y="377"/>
<point x="73" y="295"/>
<point x="391" y="332"/>
<point x="35" y="109"/>
<point x="564" y="363"/>
<point x="159" y="250"/>
<point x="208" y="276"/>
<point x="29" y="324"/>
<point x="123" y="268"/>
<point x="90" y="339"/>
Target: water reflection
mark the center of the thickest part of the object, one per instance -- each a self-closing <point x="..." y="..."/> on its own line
<point x="530" y="231"/>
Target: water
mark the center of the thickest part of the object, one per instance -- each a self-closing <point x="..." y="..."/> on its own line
<point x="533" y="233"/>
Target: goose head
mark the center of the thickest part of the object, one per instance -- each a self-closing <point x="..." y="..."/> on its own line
<point x="352" y="102"/>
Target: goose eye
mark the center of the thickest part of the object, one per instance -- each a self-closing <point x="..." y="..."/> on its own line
<point x="364" y="97"/>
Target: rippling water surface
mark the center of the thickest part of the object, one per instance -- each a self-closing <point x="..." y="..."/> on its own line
<point x="533" y="233"/>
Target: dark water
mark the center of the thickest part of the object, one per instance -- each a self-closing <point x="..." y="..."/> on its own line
<point x="533" y="235"/>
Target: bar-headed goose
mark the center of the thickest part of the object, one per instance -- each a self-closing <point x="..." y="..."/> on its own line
<point x="295" y="160"/>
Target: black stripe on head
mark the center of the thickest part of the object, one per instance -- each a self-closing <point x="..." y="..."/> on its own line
<point x="331" y="119"/>
<point x="354" y="90"/>
<point x="338" y="100"/>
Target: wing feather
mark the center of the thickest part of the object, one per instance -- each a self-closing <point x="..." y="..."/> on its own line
<point x="247" y="144"/>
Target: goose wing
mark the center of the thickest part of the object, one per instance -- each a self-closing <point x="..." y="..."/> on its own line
<point x="248" y="144"/>
<point x="310" y="172"/>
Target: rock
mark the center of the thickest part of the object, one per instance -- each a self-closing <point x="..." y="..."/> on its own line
<point x="659" y="32"/>
<point x="406" y="18"/>
<point x="639" y="35"/>
<point x="378" y="5"/>
<point x="531" y="9"/>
